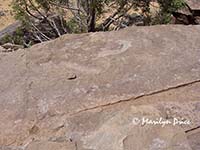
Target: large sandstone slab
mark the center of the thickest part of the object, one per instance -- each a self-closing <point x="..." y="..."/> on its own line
<point x="111" y="67"/>
<point x="83" y="91"/>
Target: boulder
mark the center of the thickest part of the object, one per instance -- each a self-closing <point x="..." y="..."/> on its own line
<point x="119" y="90"/>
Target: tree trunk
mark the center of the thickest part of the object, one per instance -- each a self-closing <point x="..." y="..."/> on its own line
<point x="91" y="16"/>
<point x="92" y="23"/>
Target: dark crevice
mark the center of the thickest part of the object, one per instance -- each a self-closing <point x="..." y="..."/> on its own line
<point x="137" y="97"/>
<point x="190" y="130"/>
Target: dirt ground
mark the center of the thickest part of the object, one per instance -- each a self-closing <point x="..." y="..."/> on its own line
<point x="6" y="17"/>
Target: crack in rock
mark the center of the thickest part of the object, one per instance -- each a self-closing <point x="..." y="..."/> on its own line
<point x="137" y="97"/>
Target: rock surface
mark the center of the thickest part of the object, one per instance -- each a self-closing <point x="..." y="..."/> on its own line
<point x="93" y="91"/>
<point x="193" y="4"/>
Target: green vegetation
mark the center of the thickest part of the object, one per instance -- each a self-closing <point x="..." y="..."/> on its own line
<point x="18" y="37"/>
<point x="167" y="8"/>
<point x="43" y="20"/>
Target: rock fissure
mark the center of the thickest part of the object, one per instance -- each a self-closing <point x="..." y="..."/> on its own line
<point x="53" y="92"/>
<point x="137" y="97"/>
<point x="193" y="129"/>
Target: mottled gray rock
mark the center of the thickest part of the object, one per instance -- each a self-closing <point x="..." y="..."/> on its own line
<point x="84" y="91"/>
<point x="9" y="30"/>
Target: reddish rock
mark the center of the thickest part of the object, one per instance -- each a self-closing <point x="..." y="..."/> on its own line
<point x="135" y="73"/>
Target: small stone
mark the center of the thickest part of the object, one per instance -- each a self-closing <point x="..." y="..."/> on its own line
<point x="72" y="77"/>
<point x="2" y="13"/>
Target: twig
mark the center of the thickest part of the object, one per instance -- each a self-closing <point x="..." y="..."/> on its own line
<point x="65" y="7"/>
<point x="40" y="32"/>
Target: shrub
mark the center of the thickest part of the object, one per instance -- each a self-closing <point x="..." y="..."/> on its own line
<point x="167" y="7"/>
<point x="43" y="20"/>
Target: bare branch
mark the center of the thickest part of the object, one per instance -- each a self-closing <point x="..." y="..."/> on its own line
<point x="41" y="32"/>
<point x="65" y="7"/>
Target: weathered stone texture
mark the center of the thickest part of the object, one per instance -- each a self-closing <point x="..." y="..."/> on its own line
<point x="83" y="92"/>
